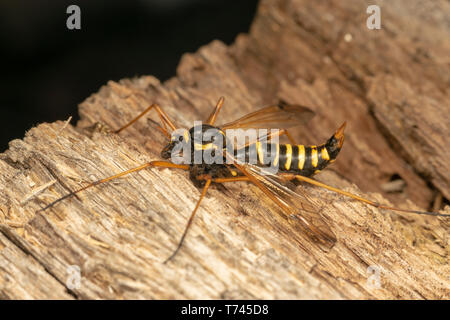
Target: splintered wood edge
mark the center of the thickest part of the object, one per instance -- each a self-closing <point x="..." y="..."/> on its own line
<point x="239" y="246"/>
<point x="343" y="215"/>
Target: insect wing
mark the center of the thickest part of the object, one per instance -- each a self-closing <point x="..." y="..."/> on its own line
<point x="273" y="117"/>
<point x="298" y="207"/>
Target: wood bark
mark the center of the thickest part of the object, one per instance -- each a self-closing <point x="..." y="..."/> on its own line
<point x="390" y="85"/>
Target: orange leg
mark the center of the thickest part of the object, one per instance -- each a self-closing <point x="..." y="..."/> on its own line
<point x="320" y="184"/>
<point x="279" y="134"/>
<point x="191" y="218"/>
<point x="291" y="139"/>
<point x="267" y="137"/>
<point x="165" y="120"/>
<point x="231" y="179"/>
<point x="354" y="196"/>
<point x="213" y="116"/>
<point x="250" y="177"/>
<point x="161" y="164"/>
<point x="271" y="135"/>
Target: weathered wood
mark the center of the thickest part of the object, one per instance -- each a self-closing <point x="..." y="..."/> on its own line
<point x="391" y="85"/>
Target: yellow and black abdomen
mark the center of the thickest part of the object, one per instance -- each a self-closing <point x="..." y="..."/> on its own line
<point x="299" y="159"/>
<point x="304" y="160"/>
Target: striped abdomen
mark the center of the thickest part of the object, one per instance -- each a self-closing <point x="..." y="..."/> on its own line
<point x="298" y="159"/>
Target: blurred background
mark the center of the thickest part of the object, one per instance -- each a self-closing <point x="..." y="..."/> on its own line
<point x="47" y="69"/>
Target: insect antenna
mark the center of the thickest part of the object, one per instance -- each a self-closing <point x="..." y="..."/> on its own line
<point x="191" y="218"/>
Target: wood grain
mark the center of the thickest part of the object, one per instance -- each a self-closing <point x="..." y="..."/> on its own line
<point x="391" y="85"/>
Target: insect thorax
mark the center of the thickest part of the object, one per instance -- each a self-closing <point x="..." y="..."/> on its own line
<point x="206" y="136"/>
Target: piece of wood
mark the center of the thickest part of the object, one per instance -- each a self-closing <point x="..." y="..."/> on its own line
<point x="240" y="246"/>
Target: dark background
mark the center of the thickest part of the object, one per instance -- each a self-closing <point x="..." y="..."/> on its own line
<point x="47" y="70"/>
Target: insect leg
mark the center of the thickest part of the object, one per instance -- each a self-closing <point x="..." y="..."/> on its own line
<point x="266" y="137"/>
<point x="264" y="189"/>
<point x="291" y="139"/>
<point x="165" y="120"/>
<point x="372" y="203"/>
<point x="222" y="180"/>
<point x="231" y="179"/>
<point x="191" y="218"/>
<point x="213" y="116"/>
<point x="270" y="135"/>
<point x="161" y="164"/>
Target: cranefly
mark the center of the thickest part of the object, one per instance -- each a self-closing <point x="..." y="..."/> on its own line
<point x="295" y="162"/>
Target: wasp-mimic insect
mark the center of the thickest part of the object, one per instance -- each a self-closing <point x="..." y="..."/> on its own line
<point x="294" y="163"/>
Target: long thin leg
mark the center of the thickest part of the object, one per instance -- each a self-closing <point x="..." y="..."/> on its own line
<point x="162" y="115"/>
<point x="222" y="180"/>
<point x="291" y="139"/>
<point x="161" y="164"/>
<point x="231" y="179"/>
<point x="191" y="218"/>
<point x="267" y="137"/>
<point x="271" y="135"/>
<point x="213" y="116"/>
<point x="372" y="203"/>
<point x="345" y="193"/>
<point x="263" y="188"/>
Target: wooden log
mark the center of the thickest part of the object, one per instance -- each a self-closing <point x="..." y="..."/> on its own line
<point x="240" y="246"/>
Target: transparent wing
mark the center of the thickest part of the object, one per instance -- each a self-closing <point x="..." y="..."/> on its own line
<point x="276" y="116"/>
<point x="301" y="210"/>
